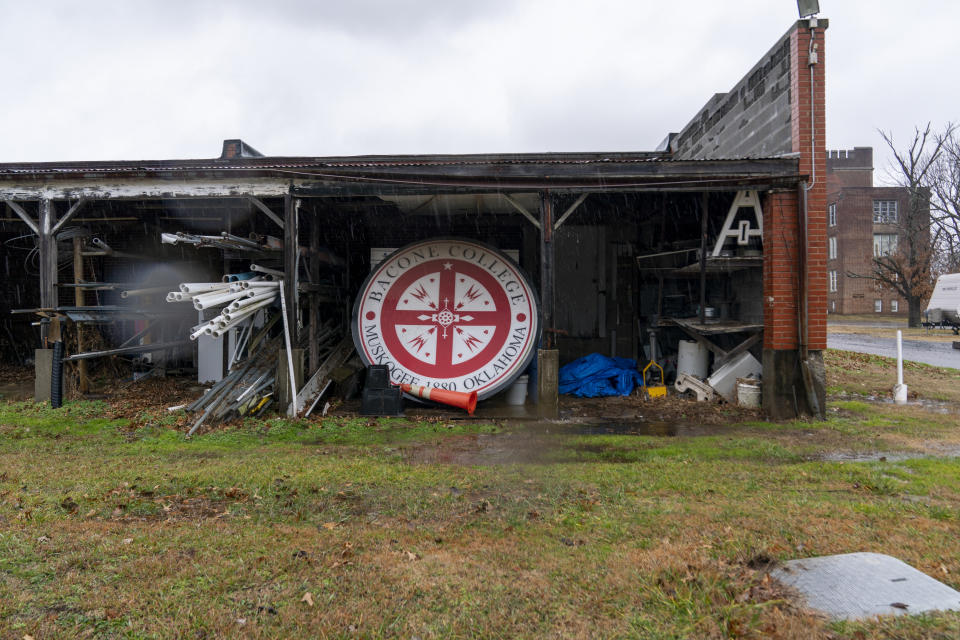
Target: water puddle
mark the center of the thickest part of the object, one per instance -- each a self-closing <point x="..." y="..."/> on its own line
<point x="941" y="451"/>
<point x="539" y="442"/>
<point x="15" y="391"/>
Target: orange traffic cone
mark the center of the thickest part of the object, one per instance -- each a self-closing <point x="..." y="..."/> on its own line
<point x="460" y="399"/>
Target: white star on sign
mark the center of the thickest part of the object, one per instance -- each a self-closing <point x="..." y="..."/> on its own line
<point x="447" y="265"/>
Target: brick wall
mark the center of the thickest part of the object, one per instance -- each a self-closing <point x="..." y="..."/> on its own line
<point x="854" y="232"/>
<point x="849" y="168"/>
<point x="811" y="145"/>
<point x="781" y="276"/>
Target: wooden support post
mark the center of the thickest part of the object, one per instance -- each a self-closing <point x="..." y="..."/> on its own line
<point x="548" y="382"/>
<point x="291" y="251"/>
<point x="703" y="257"/>
<point x="83" y="382"/>
<point x="547" y="271"/>
<point x="548" y="358"/>
<point x="314" y="318"/>
<point x="47" y="245"/>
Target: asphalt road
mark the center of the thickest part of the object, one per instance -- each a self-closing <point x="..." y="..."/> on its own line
<point x="940" y="354"/>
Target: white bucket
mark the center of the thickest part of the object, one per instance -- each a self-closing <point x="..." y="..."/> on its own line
<point x="694" y="359"/>
<point x="517" y="393"/>
<point x="748" y="393"/>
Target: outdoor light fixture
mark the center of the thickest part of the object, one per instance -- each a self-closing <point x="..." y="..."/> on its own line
<point x="808" y="8"/>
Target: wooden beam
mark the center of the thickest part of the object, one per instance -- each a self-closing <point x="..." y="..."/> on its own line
<point x="65" y="218"/>
<point x="47" y="246"/>
<point x="570" y="210"/>
<point x="108" y="187"/>
<point x="79" y="298"/>
<point x="291" y="252"/>
<point x="519" y="207"/>
<point x="313" y="265"/>
<point x="737" y="350"/>
<point x="17" y="209"/>
<point x="701" y="339"/>
<point x="266" y="210"/>
<point x="705" y="198"/>
<point x="547" y="269"/>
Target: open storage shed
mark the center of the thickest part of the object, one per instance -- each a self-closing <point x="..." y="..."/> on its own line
<point x="683" y="241"/>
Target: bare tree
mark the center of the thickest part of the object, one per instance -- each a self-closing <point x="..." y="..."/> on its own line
<point x="945" y="203"/>
<point x="905" y="267"/>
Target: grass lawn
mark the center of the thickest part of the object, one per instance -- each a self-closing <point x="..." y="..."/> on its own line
<point x="338" y="528"/>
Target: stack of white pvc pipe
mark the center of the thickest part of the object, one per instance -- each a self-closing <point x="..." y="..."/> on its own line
<point x="240" y="301"/>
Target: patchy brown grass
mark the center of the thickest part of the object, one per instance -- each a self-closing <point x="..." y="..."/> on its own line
<point x="869" y="375"/>
<point x="140" y="533"/>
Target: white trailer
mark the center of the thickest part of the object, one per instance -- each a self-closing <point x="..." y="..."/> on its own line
<point x="943" y="310"/>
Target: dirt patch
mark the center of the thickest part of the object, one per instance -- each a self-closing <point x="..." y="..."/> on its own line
<point x="145" y="401"/>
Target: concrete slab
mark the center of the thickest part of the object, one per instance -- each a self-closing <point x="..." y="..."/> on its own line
<point x="854" y="586"/>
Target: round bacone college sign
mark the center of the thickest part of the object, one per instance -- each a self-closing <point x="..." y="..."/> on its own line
<point x="448" y="313"/>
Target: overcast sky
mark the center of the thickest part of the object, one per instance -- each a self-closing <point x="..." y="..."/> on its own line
<point x="98" y="80"/>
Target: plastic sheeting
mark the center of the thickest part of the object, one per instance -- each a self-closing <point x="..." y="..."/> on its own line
<point x="597" y="375"/>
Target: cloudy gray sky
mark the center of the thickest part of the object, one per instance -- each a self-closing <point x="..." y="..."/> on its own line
<point x="99" y="80"/>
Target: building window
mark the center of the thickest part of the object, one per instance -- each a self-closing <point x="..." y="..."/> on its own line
<point x="894" y="306"/>
<point x="833" y="281"/>
<point x="884" y="244"/>
<point x="833" y="247"/>
<point x="878" y="306"/>
<point x="884" y="211"/>
<point x="832" y="214"/>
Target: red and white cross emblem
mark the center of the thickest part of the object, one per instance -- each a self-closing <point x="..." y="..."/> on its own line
<point x="452" y="314"/>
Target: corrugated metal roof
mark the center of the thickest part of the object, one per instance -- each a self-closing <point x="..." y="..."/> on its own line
<point x="356" y="162"/>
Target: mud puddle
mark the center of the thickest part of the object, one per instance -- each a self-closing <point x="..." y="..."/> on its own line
<point x="942" y="451"/>
<point x="16" y="391"/>
<point x="538" y="442"/>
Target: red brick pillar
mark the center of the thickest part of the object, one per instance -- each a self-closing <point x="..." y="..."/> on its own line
<point x="811" y="144"/>
<point x="781" y="270"/>
<point x="794" y="384"/>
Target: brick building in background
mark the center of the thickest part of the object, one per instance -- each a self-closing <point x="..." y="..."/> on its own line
<point x="862" y="221"/>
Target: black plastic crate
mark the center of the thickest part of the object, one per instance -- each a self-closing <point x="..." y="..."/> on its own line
<point x="382" y="402"/>
<point x="378" y="377"/>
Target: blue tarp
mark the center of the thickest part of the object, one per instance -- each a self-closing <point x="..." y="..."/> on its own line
<point x="596" y="375"/>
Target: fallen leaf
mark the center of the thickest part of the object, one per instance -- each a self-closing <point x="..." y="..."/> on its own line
<point x="91" y="513"/>
<point x="410" y="556"/>
<point x="43" y="539"/>
<point x="127" y="540"/>
<point x="329" y="525"/>
<point x="27" y="636"/>
<point x="308" y="598"/>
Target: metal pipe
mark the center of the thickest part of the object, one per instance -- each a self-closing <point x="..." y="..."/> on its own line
<point x="143" y="292"/>
<point x="139" y="348"/>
